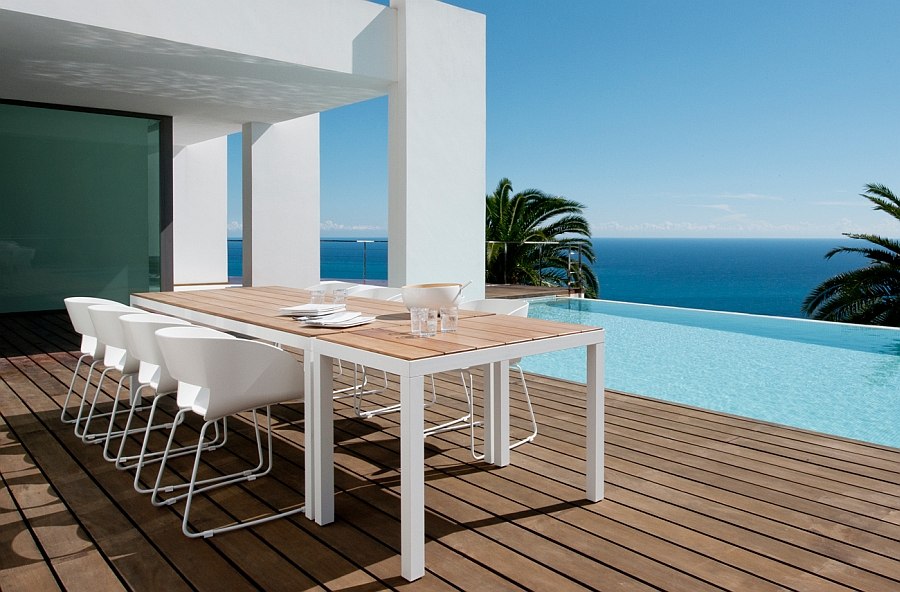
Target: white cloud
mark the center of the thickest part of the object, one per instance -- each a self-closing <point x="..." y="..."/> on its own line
<point x="750" y="197"/>
<point x="733" y="217"/>
<point x="235" y="225"/>
<point x="838" y="203"/>
<point x="667" y="227"/>
<point x="720" y="207"/>
<point x="728" y="226"/>
<point x="331" y="225"/>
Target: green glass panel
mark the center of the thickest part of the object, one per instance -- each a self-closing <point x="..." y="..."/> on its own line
<point x="79" y="206"/>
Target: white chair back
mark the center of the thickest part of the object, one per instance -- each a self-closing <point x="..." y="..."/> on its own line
<point x="233" y="374"/>
<point x="331" y="285"/>
<point x="105" y="318"/>
<point x="507" y="306"/>
<point x="77" y="307"/>
<point x="140" y="340"/>
<point x="183" y="369"/>
<point x="380" y="293"/>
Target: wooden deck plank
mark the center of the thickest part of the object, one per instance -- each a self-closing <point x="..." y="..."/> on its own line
<point x="640" y="543"/>
<point x="23" y="564"/>
<point x="889" y="566"/>
<point x="96" y="513"/>
<point x="695" y="500"/>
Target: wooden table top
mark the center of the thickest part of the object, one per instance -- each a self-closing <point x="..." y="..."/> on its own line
<point x="260" y="306"/>
<point x="389" y="332"/>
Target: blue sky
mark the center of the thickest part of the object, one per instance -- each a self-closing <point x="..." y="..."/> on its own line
<point x="665" y="118"/>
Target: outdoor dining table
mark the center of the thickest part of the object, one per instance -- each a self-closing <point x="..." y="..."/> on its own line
<point x="481" y="340"/>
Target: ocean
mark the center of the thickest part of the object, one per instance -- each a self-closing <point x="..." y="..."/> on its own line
<point x="759" y="276"/>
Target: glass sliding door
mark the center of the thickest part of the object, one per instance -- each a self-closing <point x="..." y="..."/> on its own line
<point x="80" y="197"/>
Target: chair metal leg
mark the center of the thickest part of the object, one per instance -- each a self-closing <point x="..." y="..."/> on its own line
<point x="87" y="437"/>
<point x="246" y="475"/>
<point x="120" y="457"/>
<point x="133" y="403"/>
<point x="84" y="396"/>
<point x="103" y="437"/>
<point x="357" y="403"/>
<point x="146" y="457"/>
<point x="192" y="490"/>
<point x="454" y="424"/>
<point x="534" y="426"/>
<point x="63" y="415"/>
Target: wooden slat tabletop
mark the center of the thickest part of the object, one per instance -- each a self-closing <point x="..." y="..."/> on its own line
<point x="472" y="334"/>
<point x="260" y="306"/>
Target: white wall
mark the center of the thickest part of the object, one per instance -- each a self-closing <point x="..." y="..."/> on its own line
<point x="340" y="35"/>
<point x="281" y="202"/>
<point x="200" y="175"/>
<point x="436" y="152"/>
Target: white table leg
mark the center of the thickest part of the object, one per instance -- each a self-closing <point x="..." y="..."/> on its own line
<point x="412" y="477"/>
<point x="496" y="413"/>
<point x="310" y="388"/>
<point x="323" y="448"/>
<point x="595" y="417"/>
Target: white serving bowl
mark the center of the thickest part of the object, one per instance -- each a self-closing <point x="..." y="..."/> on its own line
<point x="430" y="295"/>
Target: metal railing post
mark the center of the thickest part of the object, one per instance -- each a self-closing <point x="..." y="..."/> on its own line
<point x="364" y="244"/>
<point x="505" y="262"/>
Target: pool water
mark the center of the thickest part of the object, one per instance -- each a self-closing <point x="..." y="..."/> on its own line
<point x="827" y="377"/>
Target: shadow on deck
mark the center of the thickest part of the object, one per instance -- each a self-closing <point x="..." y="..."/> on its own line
<point x="695" y="500"/>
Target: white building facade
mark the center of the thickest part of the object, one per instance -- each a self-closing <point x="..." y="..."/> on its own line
<point x="267" y="69"/>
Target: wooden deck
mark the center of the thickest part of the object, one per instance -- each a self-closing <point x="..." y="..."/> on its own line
<point x="694" y="501"/>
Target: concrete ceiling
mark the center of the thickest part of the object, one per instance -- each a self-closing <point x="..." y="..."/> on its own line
<point x="209" y="92"/>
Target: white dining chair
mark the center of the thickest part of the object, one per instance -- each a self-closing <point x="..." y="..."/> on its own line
<point x="140" y="338"/>
<point x="329" y="286"/>
<point x="77" y="307"/>
<point x="379" y="293"/>
<point x="360" y="387"/>
<point x="360" y="377"/>
<point x="505" y="306"/>
<point x="222" y="376"/>
<point x="105" y="318"/>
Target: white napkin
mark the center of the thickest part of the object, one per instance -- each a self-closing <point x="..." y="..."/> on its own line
<point x="338" y="317"/>
<point x="312" y="310"/>
<point x="341" y="319"/>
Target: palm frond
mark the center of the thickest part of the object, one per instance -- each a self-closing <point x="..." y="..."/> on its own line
<point x="883" y="198"/>
<point x="870" y="294"/>
<point x="534" y="216"/>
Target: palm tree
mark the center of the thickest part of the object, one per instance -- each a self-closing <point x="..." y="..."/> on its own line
<point x="869" y="295"/>
<point x="516" y="222"/>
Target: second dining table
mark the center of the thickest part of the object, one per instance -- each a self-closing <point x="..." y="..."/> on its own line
<point x="481" y="340"/>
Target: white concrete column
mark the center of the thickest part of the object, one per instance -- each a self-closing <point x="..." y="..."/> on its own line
<point x="200" y="212"/>
<point x="436" y="147"/>
<point x="281" y="202"/>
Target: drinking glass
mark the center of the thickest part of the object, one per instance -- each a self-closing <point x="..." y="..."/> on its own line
<point x="430" y="322"/>
<point x="340" y="295"/>
<point x="417" y="318"/>
<point x="317" y="296"/>
<point x="449" y="319"/>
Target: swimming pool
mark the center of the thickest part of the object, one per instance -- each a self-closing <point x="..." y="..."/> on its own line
<point x="829" y="377"/>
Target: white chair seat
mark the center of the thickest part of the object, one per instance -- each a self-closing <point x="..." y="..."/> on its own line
<point x="77" y="307"/>
<point x="497" y="306"/>
<point x="105" y="318"/>
<point x="329" y="286"/>
<point x="153" y="374"/>
<point x="218" y="376"/>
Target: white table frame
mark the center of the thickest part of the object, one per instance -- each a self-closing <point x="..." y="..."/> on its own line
<point x="495" y="361"/>
<point x="319" y="411"/>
